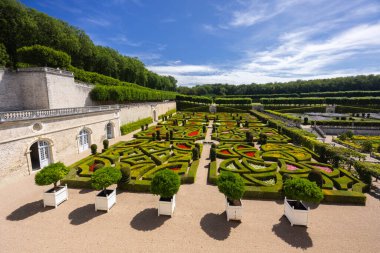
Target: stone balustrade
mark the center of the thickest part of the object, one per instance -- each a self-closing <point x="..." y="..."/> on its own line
<point x="36" y="114"/>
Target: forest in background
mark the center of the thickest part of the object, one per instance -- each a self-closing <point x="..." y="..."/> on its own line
<point x="21" y="26"/>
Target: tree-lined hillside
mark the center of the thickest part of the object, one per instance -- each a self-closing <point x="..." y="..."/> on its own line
<point x="354" y="83"/>
<point x="21" y="26"/>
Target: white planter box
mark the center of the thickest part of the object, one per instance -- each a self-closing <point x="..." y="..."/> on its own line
<point x="52" y="198"/>
<point x="234" y="212"/>
<point x="105" y="202"/>
<point x="296" y="216"/>
<point x="166" y="207"/>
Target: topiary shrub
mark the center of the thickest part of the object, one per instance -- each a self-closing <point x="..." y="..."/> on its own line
<point x="158" y="135"/>
<point x="302" y="189"/>
<point x="104" y="177"/>
<point x="306" y="121"/>
<point x="204" y="128"/>
<point x="165" y="183"/>
<point x="51" y="174"/>
<point x="153" y="136"/>
<point x="125" y="175"/>
<point x="94" y="147"/>
<point x="167" y="137"/>
<point x="213" y="145"/>
<point x="213" y="154"/>
<point x="231" y="185"/>
<point x="106" y="144"/>
<point x="262" y="139"/>
<point x="195" y="154"/>
<point x="285" y="177"/>
<point x="316" y="176"/>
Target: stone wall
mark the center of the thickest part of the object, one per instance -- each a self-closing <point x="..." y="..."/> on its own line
<point x="61" y="133"/>
<point x="65" y="92"/>
<point x="10" y="92"/>
<point x="355" y="130"/>
<point x="133" y="112"/>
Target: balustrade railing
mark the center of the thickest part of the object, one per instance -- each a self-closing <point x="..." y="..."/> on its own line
<point x="35" y="114"/>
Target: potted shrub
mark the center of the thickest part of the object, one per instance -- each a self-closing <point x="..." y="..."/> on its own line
<point x="165" y="183"/>
<point x="297" y="190"/>
<point x="51" y="174"/>
<point x="232" y="186"/>
<point x="100" y="180"/>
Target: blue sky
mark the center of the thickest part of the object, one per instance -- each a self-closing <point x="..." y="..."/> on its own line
<point x="236" y="41"/>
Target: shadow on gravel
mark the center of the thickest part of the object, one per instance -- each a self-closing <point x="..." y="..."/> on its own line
<point x="28" y="210"/>
<point x="84" y="191"/>
<point x="296" y="236"/>
<point x="216" y="225"/>
<point x="84" y="214"/>
<point x="375" y="192"/>
<point x="148" y="220"/>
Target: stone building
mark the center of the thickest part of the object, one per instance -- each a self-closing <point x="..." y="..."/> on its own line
<point x="46" y="116"/>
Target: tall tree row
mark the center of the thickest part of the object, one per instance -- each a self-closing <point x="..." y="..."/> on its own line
<point x="21" y="26"/>
<point x="353" y="83"/>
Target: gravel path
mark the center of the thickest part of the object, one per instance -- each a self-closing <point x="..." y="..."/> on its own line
<point x="198" y="225"/>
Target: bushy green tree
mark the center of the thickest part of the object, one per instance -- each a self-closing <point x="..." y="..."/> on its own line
<point x="231" y="185"/>
<point x="51" y="174"/>
<point x="165" y="183"/>
<point x="104" y="177"/>
<point x="302" y="189"/>
<point x="4" y="57"/>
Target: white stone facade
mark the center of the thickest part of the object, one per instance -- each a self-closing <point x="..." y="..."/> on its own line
<point x="17" y="138"/>
<point x="45" y="91"/>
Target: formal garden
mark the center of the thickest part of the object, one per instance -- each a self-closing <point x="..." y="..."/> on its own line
<point x="262" y="155"/>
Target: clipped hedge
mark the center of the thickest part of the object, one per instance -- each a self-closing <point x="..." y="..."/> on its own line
<point x="42" y="56"/>
<point x="130" y="127"/>
<point x="121" y="94"/>
<point x="337" y="196"/>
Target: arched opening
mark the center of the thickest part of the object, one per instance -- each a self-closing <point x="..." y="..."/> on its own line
<point x="109" y="129"/>
<point x="84" y="140"/>
<point x="40" y="155"/>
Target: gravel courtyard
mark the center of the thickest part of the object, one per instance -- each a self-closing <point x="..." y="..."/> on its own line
<point x="198" y="225"/>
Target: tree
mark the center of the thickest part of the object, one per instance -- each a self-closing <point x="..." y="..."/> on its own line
<point x="165" y="183"/>
<point x="302" y="190"/>
<point x="51" y="174"/>
<point x="231" y="185"/>
<point x="4" y="57"/>
<point x="104" y="177"/>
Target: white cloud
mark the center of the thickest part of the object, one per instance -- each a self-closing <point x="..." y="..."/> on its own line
<point x="97" y="21"/>
<point x="296" y="57"/>
<point x="183" y="69"/>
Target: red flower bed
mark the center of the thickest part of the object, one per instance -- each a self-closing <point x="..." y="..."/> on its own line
<point x="241" y="147"/>
<point x="183" y="146"/>
<point x="251" y="154"/>
<point x="175" y="169"/>
<point x="226" y="152"/>
<point x="194" y="133"/>
<point x="92" y="166"/>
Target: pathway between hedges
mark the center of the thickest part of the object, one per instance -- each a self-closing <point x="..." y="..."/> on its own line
<point x="204" y="161"/>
